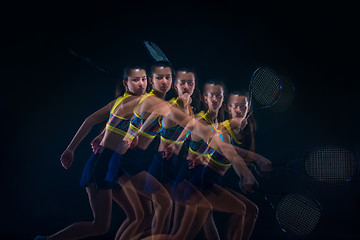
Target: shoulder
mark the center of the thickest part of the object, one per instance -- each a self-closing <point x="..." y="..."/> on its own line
<point x="152" y="101"/>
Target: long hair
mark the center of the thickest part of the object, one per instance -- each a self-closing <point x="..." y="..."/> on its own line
<point x="120" y="89"/>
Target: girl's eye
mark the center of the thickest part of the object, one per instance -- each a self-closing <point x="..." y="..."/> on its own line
<point x="238" y="105"/>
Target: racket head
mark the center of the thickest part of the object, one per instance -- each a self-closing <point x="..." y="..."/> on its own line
<point x="286" y="97"/>
<point x="155" y="52"/>
<point x="298" y="213"/>
<point x="331" y="164"/>
<point x="264" y="89"/>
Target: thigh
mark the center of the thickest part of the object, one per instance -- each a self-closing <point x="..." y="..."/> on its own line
<point x="251" y="207"/>
<point x="224" y="201"/>
<point x="100" y="202"/>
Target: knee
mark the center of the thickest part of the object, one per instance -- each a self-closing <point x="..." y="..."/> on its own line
<point x="139" y="215"/>
<point x="252" y="211"/>
<point x="164" y="202"/>
<point x="241" y="209"/>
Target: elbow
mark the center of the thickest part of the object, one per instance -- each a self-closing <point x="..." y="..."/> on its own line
<point x="89" y="122"/>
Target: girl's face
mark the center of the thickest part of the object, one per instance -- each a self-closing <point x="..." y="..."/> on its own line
<point x="136" y="82"/>
<point x="161" y="79"/>
<point x="185" y="83"/>
<point x="238" y="106"/>
<point x="214" y="96"/>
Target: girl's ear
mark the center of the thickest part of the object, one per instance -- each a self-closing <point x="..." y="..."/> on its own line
<point x="205" y="100"/>
<point x="174" y="87"/>
<point x="227" y="108"/>
<point x="150" y="80"/>
<point x="125" y="85"/>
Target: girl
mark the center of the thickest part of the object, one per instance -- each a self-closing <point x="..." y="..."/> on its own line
<point x="142" y="135"/>
<point x="99" y="191"/>
<point x="164" y="165"/>
<point x="233" y="132"/>
<point x="206" y="174"/>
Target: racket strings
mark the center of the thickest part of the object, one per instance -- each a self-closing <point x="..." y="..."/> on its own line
<point x="265" y="86"/>
<point x="298" y="214"/>
<point x="286" y="97"/>
<point x="331" y="164"/>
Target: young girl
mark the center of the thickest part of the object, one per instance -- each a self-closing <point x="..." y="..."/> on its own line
<point x="233" y="132"/>
<point x="131" y="162"/>
<point x="99" y="191"/>
<point x="164" y="166"/>
<point x="206" y="174"/>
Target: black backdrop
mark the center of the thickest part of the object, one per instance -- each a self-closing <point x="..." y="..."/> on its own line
<point x="47" y="92"/>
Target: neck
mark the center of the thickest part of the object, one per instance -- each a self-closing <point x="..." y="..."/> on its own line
<point x="128" y="92"/>
<point x="185" y="101"/>
<point x="159" y="94"/>
<point x="235" y="124"/>
<point x="212" y="115"/>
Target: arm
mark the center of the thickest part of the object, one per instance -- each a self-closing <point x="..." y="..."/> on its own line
<point x="99" y="116"/>
<point x="250" y="157"/>
<point x="237" y="161"/>
<point x="95" y="143"/>
<point x="149" y="109"/>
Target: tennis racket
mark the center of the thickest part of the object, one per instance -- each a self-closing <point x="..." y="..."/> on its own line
<point x="155" y="52"/>
<point x="286" y="97"/>
<point x="91" y="63"/>
<point x="264" y="89"/>
<point x="331" y="164"/>
<point x="298" y="213"/>
<point x="295" y="211"/>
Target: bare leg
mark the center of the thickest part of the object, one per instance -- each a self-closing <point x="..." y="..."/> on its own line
<point x="251" y="215"/>
<point x="135" y="206"/>
<point x="178" y="213"/>
<point x="100" y="202"/>
<point x="158" y="194"/>
<point x="190" y="213"/>
<point x="224" y="201"/>
<point x="145" y="226"/>
<point x="210" y="228"/>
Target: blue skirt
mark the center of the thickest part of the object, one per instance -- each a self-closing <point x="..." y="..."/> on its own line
<point x="163" y="169"/>
<point x="200" y="178"/>
<point x="204" y="177"/>
<point x="130" y="163"/>
<point x="95" y="170"/>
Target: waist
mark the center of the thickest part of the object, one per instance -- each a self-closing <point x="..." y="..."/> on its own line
<point x="221" y="170"/>
<point x="174" y="134"/>
<point x="164" y="145"/>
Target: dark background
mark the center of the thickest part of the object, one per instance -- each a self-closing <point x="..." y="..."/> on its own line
<point x="47" y="93"/>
